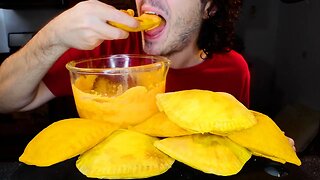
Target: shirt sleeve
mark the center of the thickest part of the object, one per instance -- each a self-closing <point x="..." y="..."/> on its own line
<point x="245" y="90"/>
<point x="243" y="72"/>
<point x="240" y="78"/>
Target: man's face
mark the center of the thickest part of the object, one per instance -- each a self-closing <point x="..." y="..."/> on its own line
<point x="181" y="27"/>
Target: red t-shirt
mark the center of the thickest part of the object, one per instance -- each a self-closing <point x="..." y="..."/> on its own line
<point x="225" y="72"/>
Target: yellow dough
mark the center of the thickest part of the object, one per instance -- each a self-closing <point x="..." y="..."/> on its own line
<point x="159" y="125"/>
<point x="267" y="140"/>
<point x="63" y="140"/>
<point x="124" y="154"/>
<point x="208" y="153"/>
<point x="205" y="111"/>
<point x="146" y="22"/>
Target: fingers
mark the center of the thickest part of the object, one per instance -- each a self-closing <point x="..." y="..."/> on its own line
<point x="122" y="18"/>
<point x="100" y="13"/>
<point x="109" y="32"/>
<point x="107" y="13"/>
<point x="291" y="141"/>
<point x="85" y="26"/>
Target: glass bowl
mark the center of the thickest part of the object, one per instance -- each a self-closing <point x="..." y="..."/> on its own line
<point x="119" y="89"/>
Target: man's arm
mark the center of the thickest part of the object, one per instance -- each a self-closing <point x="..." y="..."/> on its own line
<point x="83" y="27"/>
<point x="21" y="73"/>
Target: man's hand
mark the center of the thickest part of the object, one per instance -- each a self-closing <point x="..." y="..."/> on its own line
<point x="85" y="26"/>
<point x="291" y="141"/>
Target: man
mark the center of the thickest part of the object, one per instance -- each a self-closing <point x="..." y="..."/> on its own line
<point x="195" y="36"/>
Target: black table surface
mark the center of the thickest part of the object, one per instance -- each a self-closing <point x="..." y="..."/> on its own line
<point x="256" y="168"/>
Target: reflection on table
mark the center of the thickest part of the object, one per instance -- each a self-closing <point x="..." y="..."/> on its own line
<point x="255" y="168"/>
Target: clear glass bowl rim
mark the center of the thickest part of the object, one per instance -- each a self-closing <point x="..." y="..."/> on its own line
<point x="71" y="66"/>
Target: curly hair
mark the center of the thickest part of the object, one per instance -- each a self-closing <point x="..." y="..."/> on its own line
<point x="217" y="32"/>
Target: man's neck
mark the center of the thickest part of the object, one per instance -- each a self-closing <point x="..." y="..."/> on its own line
<point x="188" y="57"/>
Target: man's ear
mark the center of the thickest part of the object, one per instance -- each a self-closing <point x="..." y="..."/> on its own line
<point x="209" y="10"/>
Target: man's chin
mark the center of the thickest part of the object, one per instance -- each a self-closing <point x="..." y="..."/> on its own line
<point x="152" y="51"/>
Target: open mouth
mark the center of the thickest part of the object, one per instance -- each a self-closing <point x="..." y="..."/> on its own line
<point x="155" y="32"/>
<point x="152" y="13"/>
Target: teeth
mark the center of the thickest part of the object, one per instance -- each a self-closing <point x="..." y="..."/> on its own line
<point x="150" y="12"/>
